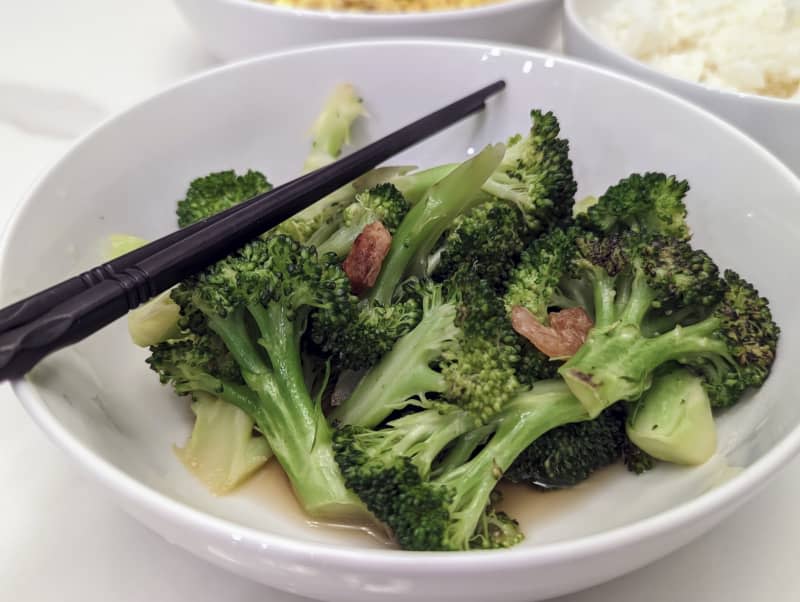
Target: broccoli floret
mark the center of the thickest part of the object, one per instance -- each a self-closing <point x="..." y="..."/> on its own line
<point x="218" y="191"/>
<point x="380" y="391"/>
<point x="222" y="451"/>
<point x="331" y="129"/>
<point x="673" y="421"/>
<point x="569" y="454"/>
<point x="368" y="334"/>
<point x="480" y="369"/>
<point x="487" y="241"/>
<point x="447" y="509"/>
<point x="383" y="203"/>
<point x="536" y="175"/>
<point x="636" y="460"/>
<point x="732" y="348"/>
<point x="650" y="202"/>
<point x="257" y="302"/>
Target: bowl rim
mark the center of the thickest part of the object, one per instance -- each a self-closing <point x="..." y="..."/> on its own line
<point x="414" y="16"/>
<point x="132" y="491"/>
<point x="573" y="17"/>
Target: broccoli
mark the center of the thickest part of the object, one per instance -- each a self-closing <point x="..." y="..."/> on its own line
<point x="222" y="451"/>
<point x="536" y="175"/>
<point x="732" y="348"/>
<point x="448" y="510"/>
<point x="383" y="203"/>
<point x="673" y="421"/>
<point x="569" y="454"/>
<point x="428" y="219"/>
<point x="257" y="302"/>
<point x="331" y="130"/>
<point x="487" y="240"/>
<point x="120" y="244"/>
<point x="151" y="322"/>
<point x="370" y="331"/>
<point x="385" y="314"/>
<point x="650" y="202"/>
<point x="217" y="192"/>
<point x="380" y="392"/>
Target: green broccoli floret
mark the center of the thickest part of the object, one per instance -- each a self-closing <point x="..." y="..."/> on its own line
<point x="480" y="369"/>
<point x="427" y="509"/>
<point x="380" y="391"/>
<point x="536" y="175"/>
<point x="487" y="240"/>
<point x="368" y="334"/>
<point x="331" y="129"/>
<point x="218" y="191"/>
<point x="650" y="202"/>
<point x="569" y="454"/>
<point x="257" y="302"/>
<point x="383" y="203"/>
<point x="733" y="347"/>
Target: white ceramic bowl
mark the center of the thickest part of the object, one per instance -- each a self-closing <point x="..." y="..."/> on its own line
<point x="100" y="403"/>
<point x="234" y="29"/>
<point x="772" y="121"/>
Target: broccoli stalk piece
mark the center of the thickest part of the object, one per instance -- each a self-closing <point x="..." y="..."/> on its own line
<point x="673" y="421"/>
<point x="156" y="320"/>
<point x="430" y="509"/>
<point x="536" y="175"/>
<point x="222" y="451"/>
<point x="120" y="244"/>
<point x="331" y="129"/>
<point x="427" y="220"/>
<point x="257" y="302"/>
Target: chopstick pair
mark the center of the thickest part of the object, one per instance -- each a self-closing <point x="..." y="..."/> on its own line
<point x="79" y="306"/>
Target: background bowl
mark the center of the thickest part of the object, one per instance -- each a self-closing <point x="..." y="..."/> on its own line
<point x="772" y="121"/>
<point x="238" y="28"/>
<point x="102" y="405"/>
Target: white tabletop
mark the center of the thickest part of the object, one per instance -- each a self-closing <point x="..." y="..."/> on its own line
<point x="63" y="67"/>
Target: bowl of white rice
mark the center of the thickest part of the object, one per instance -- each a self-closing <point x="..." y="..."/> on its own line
<point x="738" y="58"/>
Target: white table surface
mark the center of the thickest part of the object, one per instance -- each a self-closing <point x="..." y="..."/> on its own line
<point x="63" y="67"/>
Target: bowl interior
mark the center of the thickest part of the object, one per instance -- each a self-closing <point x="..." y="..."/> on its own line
<point x="126" y="176"/>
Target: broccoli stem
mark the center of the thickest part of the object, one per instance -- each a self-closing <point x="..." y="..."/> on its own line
<point x="415" y="185"/>
<point x="292" y="423"/>
<point x="531" y="414"/>
<point x="285" y="413"/>
<point x="424" y="224"/>
<point x="617" y="363"/>
<point x="404" y="373"/>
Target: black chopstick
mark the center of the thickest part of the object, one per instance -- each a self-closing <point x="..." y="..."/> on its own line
<point x="78" y="307"/>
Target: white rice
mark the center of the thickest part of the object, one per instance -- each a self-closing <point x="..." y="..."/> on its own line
<point x="744" y="45"/>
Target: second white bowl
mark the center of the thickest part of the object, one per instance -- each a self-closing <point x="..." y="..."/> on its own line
<point x="773" y="122"/>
